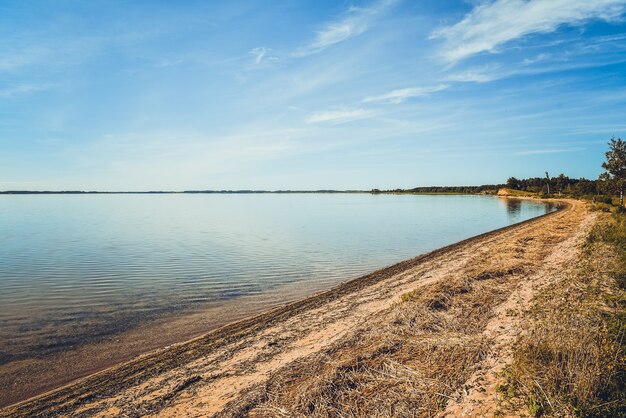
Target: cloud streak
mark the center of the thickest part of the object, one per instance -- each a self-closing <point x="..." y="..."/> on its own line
<point x="259" y="53"/>
<point x="357" y="21"/>
<point x="340" y="116"/>
<point x="401" y="95"/>
<point x="22" y="89"/>
<point x="492" y="24"/>
<point x="548" y="151"/>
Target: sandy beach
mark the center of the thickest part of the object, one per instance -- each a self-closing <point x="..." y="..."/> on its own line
<point x="428" y="335"/>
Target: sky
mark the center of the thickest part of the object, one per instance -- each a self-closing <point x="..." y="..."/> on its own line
<point x="306" y="94"/>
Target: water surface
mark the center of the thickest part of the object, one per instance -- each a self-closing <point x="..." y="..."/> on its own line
<point x="78" y="268"/>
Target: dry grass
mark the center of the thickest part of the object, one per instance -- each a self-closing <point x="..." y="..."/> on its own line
<point x="571" y="361"/>
<point x="517" y="193"/>
<point x="409" y="362"/>
<point x="413" y="358"/>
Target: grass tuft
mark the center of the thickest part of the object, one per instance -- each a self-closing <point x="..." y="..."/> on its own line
<point x="572" y="360"/>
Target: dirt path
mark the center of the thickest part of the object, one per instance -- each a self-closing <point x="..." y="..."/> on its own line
<point x="478" y="396"/>
<point x="217" y="373"/>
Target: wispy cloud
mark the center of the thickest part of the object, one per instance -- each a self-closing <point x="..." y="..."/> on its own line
<point x="340" y="116"/>
<point x="168" y="63"/>
<point x="401" y="95"/>
<point x="482" y="74"/>
<point x="538" y="58"/>
<point x="16" y="60"/>
<point x="357" y="21"/>
<point x="494" y="23"/>
<point x="548" y="151"/>
<point x="22" y="89"/>
<point x="259" y="53"/>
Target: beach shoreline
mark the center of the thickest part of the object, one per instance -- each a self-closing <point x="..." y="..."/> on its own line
<point x="106" y="383"/>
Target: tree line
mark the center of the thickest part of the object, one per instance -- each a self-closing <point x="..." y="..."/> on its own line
<point x="609" y="183"/>
<point x="486" y="188"/>
<point x="559" y="185"/>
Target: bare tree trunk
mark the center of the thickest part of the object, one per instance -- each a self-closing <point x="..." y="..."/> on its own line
<point x="621" y="196"/>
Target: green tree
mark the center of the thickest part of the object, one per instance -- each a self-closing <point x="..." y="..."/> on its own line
<point x="512" y="183"/>
<point x="561" y="181"/>
<point x="602" y="184"/>
<point x="615" y="166"/>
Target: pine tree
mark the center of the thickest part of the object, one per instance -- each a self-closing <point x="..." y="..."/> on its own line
<point x="615" y="166"/>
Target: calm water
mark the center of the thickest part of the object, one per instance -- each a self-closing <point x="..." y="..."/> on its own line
<point x="76" y="268"/>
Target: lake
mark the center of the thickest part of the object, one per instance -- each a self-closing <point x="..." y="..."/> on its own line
<point x="77" y="269"/>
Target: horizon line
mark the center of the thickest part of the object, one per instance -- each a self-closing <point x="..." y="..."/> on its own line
<point x="243" y="191"/>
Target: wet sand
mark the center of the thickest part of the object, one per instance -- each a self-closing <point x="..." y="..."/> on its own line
<point x="213" y="373"/>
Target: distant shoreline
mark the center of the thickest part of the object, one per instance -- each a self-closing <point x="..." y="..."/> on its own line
<point x="47" y="192"/>
<point x="184" y="192"/>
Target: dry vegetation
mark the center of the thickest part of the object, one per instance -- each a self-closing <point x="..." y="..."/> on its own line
<point x="571" y="360"/>
<point x="413" y="358"/>
<point x="408" y="362"/>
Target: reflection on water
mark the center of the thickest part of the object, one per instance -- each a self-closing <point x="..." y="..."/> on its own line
<point x="79" y="268"/>
<point x="516" y="208"/>
<point x="513" y="207"/>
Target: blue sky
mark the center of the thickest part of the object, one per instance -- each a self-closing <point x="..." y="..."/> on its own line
<point x="132" y="95"/>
